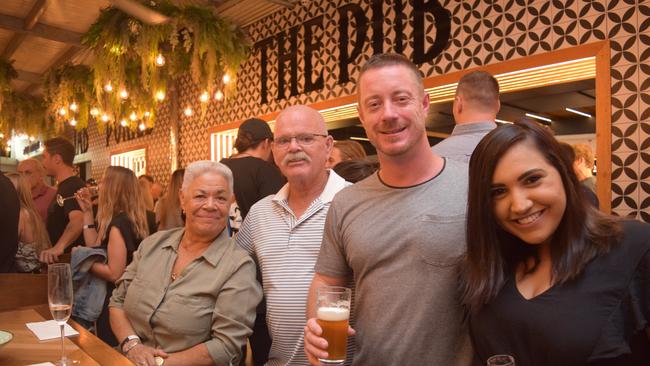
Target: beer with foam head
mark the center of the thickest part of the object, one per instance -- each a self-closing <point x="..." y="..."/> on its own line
<point x="333" y="316"/>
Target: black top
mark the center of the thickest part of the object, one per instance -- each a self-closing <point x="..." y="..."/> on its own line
<point x="8" y="224"/>
<point x="254" y="179"/>
<point x="131" y="241"/>
<point x="57" y="216"/>
<point x="597" y="319"/>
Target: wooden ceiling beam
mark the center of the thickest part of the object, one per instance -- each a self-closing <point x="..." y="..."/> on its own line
<point x="40" y="30"/>
<point x="13" y="44"/>
<point x="30" y="21"/>
<point x="224" y="5"/>
<point x="36" y="13"/>
<point x="65" y="57"/>
<point x="31" y="77"/>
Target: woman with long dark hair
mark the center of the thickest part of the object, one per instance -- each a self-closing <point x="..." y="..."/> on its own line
<point x="549" y="279"/>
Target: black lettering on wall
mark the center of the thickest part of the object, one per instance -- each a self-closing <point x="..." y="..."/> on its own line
<point x="123" y="134"/>
<point x="400" y="17"/>
<point x="263" y="46"/>
<point x="377" y="26"/>
<point x="81" y="141"/>
<point x="292" y="57"/>
<point x="312" y="46"/>
<point x="443" y="30"/>
<point x="361" y="21"/>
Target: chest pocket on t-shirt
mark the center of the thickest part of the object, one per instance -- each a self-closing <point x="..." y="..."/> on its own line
<point x="443" y="240"/>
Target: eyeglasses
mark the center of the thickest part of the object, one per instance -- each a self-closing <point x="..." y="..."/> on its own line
<point x="303" y="139"/>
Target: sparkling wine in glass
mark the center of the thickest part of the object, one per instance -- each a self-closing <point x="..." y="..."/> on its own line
<point x="59" y="297"/>
<point x="60" y="200"/>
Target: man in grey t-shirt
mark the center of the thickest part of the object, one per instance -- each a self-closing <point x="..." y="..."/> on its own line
<point x="475" y="108"/>
<point x="399" y="234"/>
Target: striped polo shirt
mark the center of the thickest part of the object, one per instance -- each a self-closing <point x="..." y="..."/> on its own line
<point x="286" y="248"/>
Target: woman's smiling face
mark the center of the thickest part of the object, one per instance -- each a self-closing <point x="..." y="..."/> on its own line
<point x="528" y="195"/>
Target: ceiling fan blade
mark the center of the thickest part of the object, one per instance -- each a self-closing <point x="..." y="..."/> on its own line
<point x="140" y="11"/>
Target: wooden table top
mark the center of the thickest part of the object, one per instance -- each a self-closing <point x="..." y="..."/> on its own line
<point x="26" y="349"/>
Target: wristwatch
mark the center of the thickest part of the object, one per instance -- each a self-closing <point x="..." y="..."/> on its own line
<point x="127" y="341"/>
<point x="90" y="226"/>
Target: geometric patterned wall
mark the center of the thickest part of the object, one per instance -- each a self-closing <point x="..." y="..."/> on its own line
<point x="482" y="32"/>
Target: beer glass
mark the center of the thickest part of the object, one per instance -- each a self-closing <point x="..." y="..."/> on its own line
<point x="333" y="314"/>
<point x="501" y="360"/>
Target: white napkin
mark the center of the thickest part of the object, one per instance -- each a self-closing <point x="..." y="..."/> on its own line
<point x="43" y="364"/>
<point x="50" y="329"/>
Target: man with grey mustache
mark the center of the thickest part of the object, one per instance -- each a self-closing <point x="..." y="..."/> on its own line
<point x="283" y="232"/>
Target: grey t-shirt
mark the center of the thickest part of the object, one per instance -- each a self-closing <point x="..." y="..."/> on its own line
<point x="402" y="247"/>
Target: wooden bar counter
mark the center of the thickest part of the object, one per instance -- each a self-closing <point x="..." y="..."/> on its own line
<point x="26" y="349"/>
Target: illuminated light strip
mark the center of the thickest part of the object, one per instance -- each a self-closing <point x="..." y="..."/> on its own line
<point x="503" y="121"/>
<point x="538" y="117"/>
<point x="578" y="112"/>
<point x="359" y="138"/>
<point x="558" y="73"/>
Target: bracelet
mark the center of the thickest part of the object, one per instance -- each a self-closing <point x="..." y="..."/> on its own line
<point x="127" y="340"/>
<point x="132" y="346"/>
<point x="90" y="226"/>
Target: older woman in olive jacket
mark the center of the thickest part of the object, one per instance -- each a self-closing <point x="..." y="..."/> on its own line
<point x="189" y="296"/>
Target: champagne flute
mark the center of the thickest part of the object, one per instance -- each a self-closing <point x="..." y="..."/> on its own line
<point x="59" y="297"/>
<point x="60" y="200"/>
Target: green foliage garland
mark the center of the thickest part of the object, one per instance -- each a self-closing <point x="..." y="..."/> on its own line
<point x="64" y="86"/>
<point x="195" y="40"/>
<point x="20" y="113"/>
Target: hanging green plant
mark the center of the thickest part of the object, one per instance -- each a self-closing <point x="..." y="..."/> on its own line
<point x="23" y="114"/>
<point x="7" y="73"/>
<point x="69" y="95"/>
<point x="141" y="59"/>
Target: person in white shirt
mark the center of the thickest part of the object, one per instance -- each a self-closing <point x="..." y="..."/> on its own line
<point x="283" y="232"/>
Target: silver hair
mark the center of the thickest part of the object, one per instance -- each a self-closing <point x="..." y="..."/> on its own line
<point x="198" y="168"/>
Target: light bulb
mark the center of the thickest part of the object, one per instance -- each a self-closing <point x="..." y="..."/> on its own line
<point x="133" y="116"/>
<point x="123" y="123"/>
<point x="104" y="117"/>
<point x="94" y="112"/>
<point x="204" y="97"/>
<point x="124" y="94"/>
<point x="142" y="126"/>
<point x="32" y="138"/>
<point x="63" y="112"/>
<point x="226" y="79"/>
<point x="73" y="122"/>
<point x="73" y="107"/>
<point x="147" y="114"/>
<point x="160" y="95"/>
<point x="2" y="135"/>
<point x="108" y="87"/>
<point x="160" y="60"/>
<point x="218" y="95"/>
<point x="188" y="111"/>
